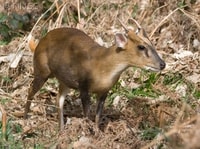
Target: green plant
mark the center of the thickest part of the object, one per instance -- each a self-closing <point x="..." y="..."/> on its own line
<point x="146" y="90"/>
<point x="10" y="140"/>
<point x="4" y="100"/>
<point x="135" y="9"/>
<point x="197" y="94"/>
<point x="6" y="79"/>
<point x="38" y="146"/>
<point x="181" y="3"/>
<point x="4" y="29"/>
<point x="11" y="24"/>
<point x="150" y="133"/>
<point x="171" y="78"/>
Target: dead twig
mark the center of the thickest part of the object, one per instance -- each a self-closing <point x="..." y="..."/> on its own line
<point x="90" y="18"/>
<point x="58" y="22"/>
<point x="162" y="22"/>
<point x="59" y="7"/>
<point x="170" y="132"/>
<point x="78" y="7"/>
<point x="4" y="121"/>
<point x="193" y="17"/>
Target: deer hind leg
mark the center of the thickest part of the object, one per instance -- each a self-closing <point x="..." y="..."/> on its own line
<point x="63" y="91"/>
<point x="35" y="86"/>
<point x="40" y="77"/>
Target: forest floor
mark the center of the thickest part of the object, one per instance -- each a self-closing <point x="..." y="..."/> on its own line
<point x="143" y="110"/>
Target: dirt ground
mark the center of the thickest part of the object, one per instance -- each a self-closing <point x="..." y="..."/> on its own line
<point x="169" y="120"/>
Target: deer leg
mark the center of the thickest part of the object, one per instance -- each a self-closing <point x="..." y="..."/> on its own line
<point x="63" y="91"/>
<point x="85" y="99"/>
<point x="40" y="77"/>
<point x="99" y="109"/>
<point x="37" y="83"/>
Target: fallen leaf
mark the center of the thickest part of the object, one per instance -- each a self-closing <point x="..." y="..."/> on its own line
<point x="182" y="54"/>
<point x="195" y="78"/>
<point x="7" y="58"/>
<point x="116" y="101"/>
<point x="181" y="89"/>
<point x="196" y="43"/>
<point x="18" y="113"/>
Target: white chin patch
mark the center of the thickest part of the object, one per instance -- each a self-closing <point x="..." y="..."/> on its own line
<point x="152" y="68"/>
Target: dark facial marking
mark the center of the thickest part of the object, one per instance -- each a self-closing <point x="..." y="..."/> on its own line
<point x="146" y="52"/>
<point x="143" y="48"/>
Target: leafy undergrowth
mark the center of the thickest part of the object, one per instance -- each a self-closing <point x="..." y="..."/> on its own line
<point x="143" y="110"/>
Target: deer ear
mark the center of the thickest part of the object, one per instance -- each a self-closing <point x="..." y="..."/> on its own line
<point x="120" y="40"/>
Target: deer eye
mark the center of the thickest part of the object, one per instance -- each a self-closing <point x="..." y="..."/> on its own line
<point x="141" y="47"/>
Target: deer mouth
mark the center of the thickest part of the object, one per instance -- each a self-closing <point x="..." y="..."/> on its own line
<point x="151" y="68"/>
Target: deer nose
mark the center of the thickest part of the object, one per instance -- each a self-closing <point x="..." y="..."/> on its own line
<point x="162" y="65"/>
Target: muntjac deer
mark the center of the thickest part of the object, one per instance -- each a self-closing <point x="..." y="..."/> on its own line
<point x="78" y="62"/>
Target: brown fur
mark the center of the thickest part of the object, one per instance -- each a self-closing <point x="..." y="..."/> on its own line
<point x="80" y="63"/>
